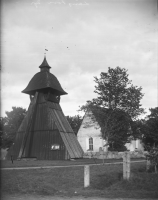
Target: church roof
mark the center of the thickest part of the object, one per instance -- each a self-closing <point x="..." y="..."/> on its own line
<point x="44" y="80"/>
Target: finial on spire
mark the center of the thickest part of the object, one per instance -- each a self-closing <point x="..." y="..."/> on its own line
<point x="45" y="52"/>
<point x="44" y="65"/>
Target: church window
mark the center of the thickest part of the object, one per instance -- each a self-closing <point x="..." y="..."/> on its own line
<point x="91" y="144"/>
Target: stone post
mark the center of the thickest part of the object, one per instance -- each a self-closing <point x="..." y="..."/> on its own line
<point x="86" y="176"/>
<point x="126" y="165"/>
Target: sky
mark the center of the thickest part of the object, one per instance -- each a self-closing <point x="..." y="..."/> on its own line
<point x="83" y="38"/>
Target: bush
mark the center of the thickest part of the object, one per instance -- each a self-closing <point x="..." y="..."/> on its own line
<point x="152" y="156"/>
<point x="117" y="147"/>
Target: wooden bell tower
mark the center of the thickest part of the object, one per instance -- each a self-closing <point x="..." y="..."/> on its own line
<point x="45" y="132"/>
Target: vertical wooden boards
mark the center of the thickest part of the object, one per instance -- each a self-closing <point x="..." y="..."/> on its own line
<point x="28" y="128"/>
<point x="69" y="138"/>
<point x="44" y="126"/>
<point x="42" y="143"/>
<point x="68" y="145"/>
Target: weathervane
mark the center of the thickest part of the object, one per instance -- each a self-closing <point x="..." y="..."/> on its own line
<point x="45" y="52"/>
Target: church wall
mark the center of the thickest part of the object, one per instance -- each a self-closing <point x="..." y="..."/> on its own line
<point x="90" y="129"/>
<point x="135" y="144"/>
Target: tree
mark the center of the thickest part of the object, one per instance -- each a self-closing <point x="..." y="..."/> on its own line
<point x="150" y="138"/>
<point x="11" y="124"/>
<point x="154" y="113"/>
<point x="115" y="90"/>
<point x="75" y="122"/>
<point x="151" y="128"/>
<point x="117" y="104"/>
<point x="114" y="124"/>
<point x="138" y="128"/>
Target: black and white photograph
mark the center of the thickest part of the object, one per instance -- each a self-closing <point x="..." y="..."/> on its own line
<point x="79" y="99"/>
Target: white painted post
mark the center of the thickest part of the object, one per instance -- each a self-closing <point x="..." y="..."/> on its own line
<point x="86" y="176"/>
<point x="126" y="165"/>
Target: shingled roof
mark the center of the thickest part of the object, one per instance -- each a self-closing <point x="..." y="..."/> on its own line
<point x="44" y="80"/>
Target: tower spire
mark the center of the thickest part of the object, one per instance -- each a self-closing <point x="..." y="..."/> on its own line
<point x="44" y="65"/>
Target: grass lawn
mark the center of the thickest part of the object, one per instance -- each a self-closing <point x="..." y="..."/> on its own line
<point x="106" y="180"/>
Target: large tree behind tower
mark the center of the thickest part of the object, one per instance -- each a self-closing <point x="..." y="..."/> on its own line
<point x="115" y="90"/>
<point x="117" y="104"/>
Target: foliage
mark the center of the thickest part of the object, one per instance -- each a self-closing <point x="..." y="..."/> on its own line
<point x="150" y="132"/>
<point x="75" y="122"/>
<point x="154" y="113"/>
<point x="11" y="124"/>
<point x="120" y="147"/>
<point x="153" y="157"/>
<point x="138" y="127"/>
<point x="115" y="125"/>
<point x="117" y="107"/>
<point x="115" y="90"/>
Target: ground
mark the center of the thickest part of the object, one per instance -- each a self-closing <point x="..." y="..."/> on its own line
<point x="63" y="180"/>
<point x="35" y="197"/>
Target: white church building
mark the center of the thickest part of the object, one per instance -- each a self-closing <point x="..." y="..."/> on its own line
<point x="90" y="137"/>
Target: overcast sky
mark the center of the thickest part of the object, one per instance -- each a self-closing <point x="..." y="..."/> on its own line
<point x="83" y="38"/>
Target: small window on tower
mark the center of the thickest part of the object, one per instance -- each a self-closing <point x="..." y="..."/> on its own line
<point x="55" y="147"/>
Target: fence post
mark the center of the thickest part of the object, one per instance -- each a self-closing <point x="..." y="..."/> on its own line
<point x="148" y="164"/>
<point x="86" y="176"/>
<point x="126" y="165"/>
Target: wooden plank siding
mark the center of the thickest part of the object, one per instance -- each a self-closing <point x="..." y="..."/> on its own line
<point x="75" y="150"/>
<point x="76" y="145"/>
<point x="64" y="121"/>
<point x="49" y="127"/>
<point x="68" y="145"/>
<point x="43" y="140"/>
<point x="68" y="132"/>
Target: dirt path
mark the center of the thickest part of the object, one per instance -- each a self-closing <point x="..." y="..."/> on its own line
<point x="35" y="197"/>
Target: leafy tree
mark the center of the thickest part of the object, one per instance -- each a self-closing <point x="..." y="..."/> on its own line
<point x="114" y="124"/>
<point x="138" y="128"/>
<point x="152" y="156"/>
<point x="117" y="104"/>
<point x="154" y="113"/>
<point x="115" y="90"/>
<point x="151" y="128"/>
<point x="75" y="122"/>
<point x="11" y="124"/>
<point x="150" y="138"/>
